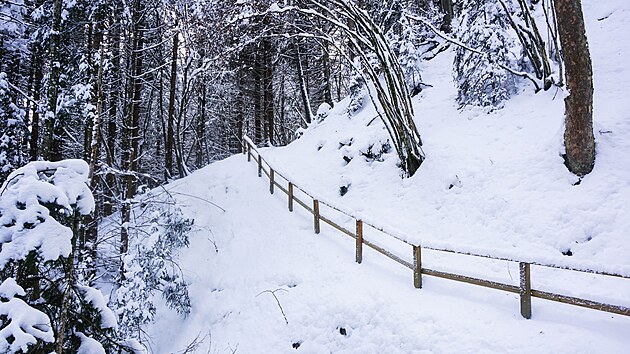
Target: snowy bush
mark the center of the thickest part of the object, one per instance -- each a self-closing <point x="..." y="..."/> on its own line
<point x="149" y="269"/>
<point x="41" y="212"/>
<point x="480" y="80"/>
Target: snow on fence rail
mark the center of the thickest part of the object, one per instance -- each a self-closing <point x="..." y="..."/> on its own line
<point x="524" y="289"/>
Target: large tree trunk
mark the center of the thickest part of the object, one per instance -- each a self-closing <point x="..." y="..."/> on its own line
<point x="578" y="135"/>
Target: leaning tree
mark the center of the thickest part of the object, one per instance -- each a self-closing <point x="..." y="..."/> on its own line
<point x="367" y="42"/>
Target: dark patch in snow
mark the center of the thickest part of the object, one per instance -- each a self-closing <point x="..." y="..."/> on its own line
<point x="604" y="18"/>
<point x="347" y="142"/>
<point x="296" y="345"/>
<point x="342" y="331"/>
<point x="375" y="151"/>
<point x="568" y="252"/>
<point x="343" y="190"/>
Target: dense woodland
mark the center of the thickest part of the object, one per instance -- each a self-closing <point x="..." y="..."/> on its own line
<point x="146" y="91"/>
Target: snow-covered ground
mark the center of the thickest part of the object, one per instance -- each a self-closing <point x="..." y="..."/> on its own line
<point x="492" y="182"/>
<point x="262" y="247"/>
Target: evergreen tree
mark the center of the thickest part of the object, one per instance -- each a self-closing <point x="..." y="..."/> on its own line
<point x="13" y="131"/>
<point x="480" y="81"/>
<point x="41" y="212"/>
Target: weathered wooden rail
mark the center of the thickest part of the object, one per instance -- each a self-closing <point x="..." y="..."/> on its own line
<point x="524" y="289"/>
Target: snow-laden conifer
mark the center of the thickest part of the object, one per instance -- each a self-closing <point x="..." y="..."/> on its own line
<point x="12" y="131"/>
<point x="41" y="210"/>
<point x="480" y="80"/>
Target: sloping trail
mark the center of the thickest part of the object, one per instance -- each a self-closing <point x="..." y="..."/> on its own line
<point x="320" y="289"/>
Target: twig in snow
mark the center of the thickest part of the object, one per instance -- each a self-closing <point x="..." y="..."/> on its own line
<point x="196" y="343"/>
<point x="205" y="200"/>
<point x="273" y="292"/>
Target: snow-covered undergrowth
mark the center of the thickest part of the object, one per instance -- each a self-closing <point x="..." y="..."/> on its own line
<point x="262" y="282"/>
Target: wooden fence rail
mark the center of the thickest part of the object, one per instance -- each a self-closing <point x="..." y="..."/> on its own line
<point x="524" y="289"/>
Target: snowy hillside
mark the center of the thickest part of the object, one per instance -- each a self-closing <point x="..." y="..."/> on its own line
<point x="510" y="190"/>
<point x="493" y="183"/>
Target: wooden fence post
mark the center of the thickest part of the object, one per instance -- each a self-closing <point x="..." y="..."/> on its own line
<point x="359" y="241"/>
<point x="271" y="180"/>
<point x="316" y="215"/>
<point x="290" y="196"/>
<point x="525" y="290"/>
<point x="259" y="165"/>
<point x="417" y="267"/>
<point x="249" y="153"/>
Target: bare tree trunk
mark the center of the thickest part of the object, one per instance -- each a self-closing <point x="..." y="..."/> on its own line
<point x="201" y="125"/>
<point x="268" y="90"/>
<point x="258" y="110"/>
<point x="37" y="88"/>
<point x="170" y="134"/>
<point x="578" y="135"/>
<point x="447" y="8"/>
<point x="327" y="84"/>
<point x="52" y="139"/>
<point x="308" y="111"/>
<point x="112" y="113"/>
<point x="131" y="131"/>
<point x="88" y="244"/>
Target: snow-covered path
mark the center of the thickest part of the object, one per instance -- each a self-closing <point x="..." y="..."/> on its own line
<point x="262" y="247"/>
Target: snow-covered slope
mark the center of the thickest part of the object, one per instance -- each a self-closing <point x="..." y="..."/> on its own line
<point x="492" y="182"/>
<point x="511" y="192"/>
<point x="262" y="248"/>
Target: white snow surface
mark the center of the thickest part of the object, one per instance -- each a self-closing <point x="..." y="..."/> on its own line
<point x="89" y="345"/>
<point x="274" y="283"/>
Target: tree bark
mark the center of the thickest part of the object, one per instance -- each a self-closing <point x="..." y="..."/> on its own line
<point x="52" y="140"/>
<point x="170" y="134"/>
<point x="308" y="111"/>
<point x="37" y="87"/>
<point x="268" y="90"/>
<point x="578" y="134"/>
<point x="447" y="8"/>
<point x="112" y="112"/>
<point x="131" y="130"/>
<point x="258" y="109"/>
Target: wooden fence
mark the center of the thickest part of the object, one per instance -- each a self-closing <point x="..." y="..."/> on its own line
<point x="524" y="290"/>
